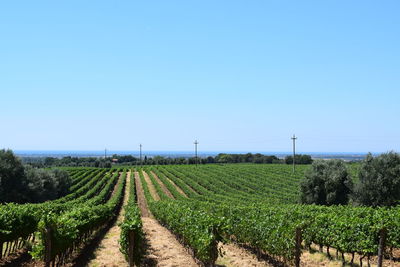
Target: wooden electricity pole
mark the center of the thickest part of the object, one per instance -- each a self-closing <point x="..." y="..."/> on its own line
<point x="294" y="151"/>
<point x="195" y="150"/>
<point x="140" y="153"/>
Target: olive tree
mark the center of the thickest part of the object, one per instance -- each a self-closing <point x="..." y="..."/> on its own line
<point x="46" y="184"/>
<point x="327" y="182"/>
<point x="379" y="180"/>
<point x="21" y="184"/>
<point x="12" y="178"/>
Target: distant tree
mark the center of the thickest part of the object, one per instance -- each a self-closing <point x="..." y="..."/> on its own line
<point x="107" y="164"/>
<point x="12" y="178"/>
<point x="328" y="182"/>
<point x="46" y="184"/>
<point x="258" y="158"/>
<point x="248" y="157"/>
<point x="379" y="181"/>
<point x="299" y="159"/>
<point x="49" y="161"/>
<point x="62" y="182"/>
<point x="210" y="159"/>
<point x="224" y="158"/>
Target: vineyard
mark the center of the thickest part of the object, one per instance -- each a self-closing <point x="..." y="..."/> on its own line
<point x="202" y="214"/>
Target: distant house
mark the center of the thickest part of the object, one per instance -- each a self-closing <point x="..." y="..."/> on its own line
<point x="114" y="160"/>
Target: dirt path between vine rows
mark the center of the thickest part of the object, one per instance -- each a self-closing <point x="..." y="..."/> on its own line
<point x="315" y="258"/>
<point x="151" y="187"/>
<point x="108" y="254"/>
<point x="234" y="256"/>
<point x="177" y="187"/>
<point x="162" y="185"/>
<point x="162" y="247"/>
<point x="141" y="199"/>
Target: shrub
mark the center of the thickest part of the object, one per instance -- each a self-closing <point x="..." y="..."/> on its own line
<point x="327" y="183"/>
<point x="379" y="181"/>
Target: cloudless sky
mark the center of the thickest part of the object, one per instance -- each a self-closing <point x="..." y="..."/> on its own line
<point x="236" y="75"/>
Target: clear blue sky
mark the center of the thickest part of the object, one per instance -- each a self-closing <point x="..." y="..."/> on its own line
<point x="236" y="75"/>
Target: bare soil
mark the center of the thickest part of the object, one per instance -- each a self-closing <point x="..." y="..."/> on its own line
<point x="315" y="258"/>
<point x="162" y="185"/>
<point x="177" y="188"/>
<point x="163" y="249"/>
<point x="235" y="256"/>
<point x="144" y="210"/>
<point x="151" y="187"/>
<point x="108" y="254"/>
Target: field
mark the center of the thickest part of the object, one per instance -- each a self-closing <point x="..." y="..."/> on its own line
<point x="186" y="215"/>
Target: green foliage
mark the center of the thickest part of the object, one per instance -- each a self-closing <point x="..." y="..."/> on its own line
<point x="379" y="180"/>
<point x="21" y="220"/>
<point x="248" y="199"/>
<point x="132" y="223"/>
<point x="251" y="204"/>
<point x="242" y="158"/>
<point x="17" y="221"/>
<point x="73" y="227"/>
<point x="196" y="228"/>
<point x="270" y="229"/>
<point x="327" y="183"/>
<point x="12" y="178"/>
<point x="46" y="184"/>
<point x="21" y="184"/>
<point x="299" y="159"/>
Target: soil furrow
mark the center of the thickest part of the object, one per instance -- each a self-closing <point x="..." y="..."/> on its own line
<point x="177" y="188"/>
<point x="140" y="197"/>
<point x="163" y="249"/>
<point x="151" y="187"/>
<point x="108" y="253"/>
<point x="235" y="256"/>
<point x="163" y="187"/>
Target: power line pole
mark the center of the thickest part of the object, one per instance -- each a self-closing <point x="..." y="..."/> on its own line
<point x="294" y="151"/>
<point x="140" y="154"/>
<point x="195" y="150"/>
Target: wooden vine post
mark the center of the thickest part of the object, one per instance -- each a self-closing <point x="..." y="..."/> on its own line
<point x="381" y="248"/>
<point x="48" y="246"/>
<point x="131" y="248"/>
<point x="298" y="247"/>
<point x="214" y="248"/>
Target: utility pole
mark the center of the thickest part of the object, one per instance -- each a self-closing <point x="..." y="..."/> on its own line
<point x="140" y="154"/>
<point x="294" y="151"/>
<point x="195" y="150"/>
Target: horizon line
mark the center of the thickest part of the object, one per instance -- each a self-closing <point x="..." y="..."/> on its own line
<point x="190" y="151"/>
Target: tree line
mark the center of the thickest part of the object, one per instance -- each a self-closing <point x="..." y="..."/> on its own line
<point x="328" y="182"/>
<point x="20" y="184"/>
<point x="161" y="160"/>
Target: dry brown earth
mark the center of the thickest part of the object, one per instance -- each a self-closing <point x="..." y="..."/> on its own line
<point x="151" y="187"/>
<point x="177" y="188"/>
<point x="162" y="185"/>
<point x="108" y="254"/>
<point x="162" y="247"/>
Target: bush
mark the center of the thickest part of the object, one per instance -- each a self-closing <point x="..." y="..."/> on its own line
<point x="379" y="181"/>
<point x="299" y="159"/>
<point x="12" y="178"/>
<point x="21" y="184"/>
<point x="327" y="183"/>
<point x="46" y="184"/>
